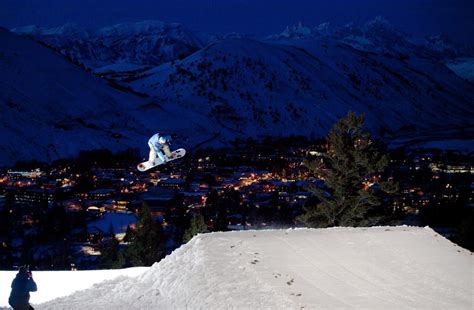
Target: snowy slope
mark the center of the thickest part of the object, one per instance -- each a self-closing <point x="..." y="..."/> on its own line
<point x="52" y="108"/>
<point x="401" y="85"/>
<point x="302" y="86"/>
<point x="464" y="67"/>
<point x="54" y="284"/>
<point x="338" y="268"/>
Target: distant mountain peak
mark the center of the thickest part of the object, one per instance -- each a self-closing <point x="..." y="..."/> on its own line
<point x="376" y="28"/>
<point x="380" y="28"/>
<point x="148" y="27"/>
<point x="301" y="31"/>
<point x="66" y="30"/>
<point x="296" y="30"/>
<point x="379" y="22"/>
<point x="143" y="43"/>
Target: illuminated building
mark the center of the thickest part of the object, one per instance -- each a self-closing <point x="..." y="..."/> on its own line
<point x="173" y="183"/>
<point x="159" y="200"/>
<point x="35" y="196"/>
<point x="101" y="194"/>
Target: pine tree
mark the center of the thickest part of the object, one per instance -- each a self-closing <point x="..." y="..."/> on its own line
<point x="128" y="234"/>
<point x="217" y="210"/>
<point x="147" y="244"/>
<point x="197" y="226"/>
<point x="352" y="170"/>
<point x="110" y="256"/>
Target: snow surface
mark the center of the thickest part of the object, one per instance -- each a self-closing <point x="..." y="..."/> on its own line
<point x="337" y="268"/>
<point x="54" y="284"/>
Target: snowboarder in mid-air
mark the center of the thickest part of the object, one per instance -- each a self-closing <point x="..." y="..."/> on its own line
<point x="160" y="152"/>
<point x="159" y="146"/>
<point x="22" y="285"/>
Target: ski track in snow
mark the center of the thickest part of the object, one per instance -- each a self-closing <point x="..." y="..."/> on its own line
<point x="336" y="268"/>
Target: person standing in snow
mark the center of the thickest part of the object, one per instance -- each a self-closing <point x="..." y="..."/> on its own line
<point x="159" y="146"/>
<point x="22" y="285"/>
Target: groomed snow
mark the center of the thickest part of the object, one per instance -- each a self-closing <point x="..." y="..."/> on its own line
<point x="337" y="268"/>
<point x="54" y="284"/>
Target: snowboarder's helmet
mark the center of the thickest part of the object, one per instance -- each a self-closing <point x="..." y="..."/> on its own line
<point x="162" y="140"/>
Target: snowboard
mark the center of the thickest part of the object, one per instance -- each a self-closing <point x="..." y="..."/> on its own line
<point x="146" y="165"/>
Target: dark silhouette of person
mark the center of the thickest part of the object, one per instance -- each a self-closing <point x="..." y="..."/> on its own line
<point x="22" y="285"/>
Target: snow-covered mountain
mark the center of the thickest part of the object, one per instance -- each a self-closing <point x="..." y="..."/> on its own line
<point x="302" y="86"/>
<point x="299" y="83"/>
<point x="336" y="268"/>
<point x="378" y="35"/>
<point x="52" y="108"/>
<point x="131" y="45"/>
<point x="464" y="67"/>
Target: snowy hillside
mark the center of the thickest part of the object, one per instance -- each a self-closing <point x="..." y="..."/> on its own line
<point x="337" y="268"/>
<point x="464" y="67"/>
<point x="52" y="109"/>
<point x="302" y="86"/>
<point x="138" y="44"/>
<point x="299" y="82"/>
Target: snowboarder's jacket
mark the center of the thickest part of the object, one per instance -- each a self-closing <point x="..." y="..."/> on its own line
<point x="153" y="141"/>
<point x="22" y="285"/>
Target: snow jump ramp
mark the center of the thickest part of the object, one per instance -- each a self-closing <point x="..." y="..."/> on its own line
<point x="336" y="268"/>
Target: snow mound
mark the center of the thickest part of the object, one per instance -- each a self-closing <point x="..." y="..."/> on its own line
<point x="54" y="284"/>
<point x="337" y="268"/>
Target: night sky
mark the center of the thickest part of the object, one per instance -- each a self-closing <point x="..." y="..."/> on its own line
<point x="451" y="17"/>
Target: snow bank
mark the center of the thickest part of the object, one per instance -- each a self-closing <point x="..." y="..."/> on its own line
<point x="338" y="268"/>
<point x="54" y="284"/>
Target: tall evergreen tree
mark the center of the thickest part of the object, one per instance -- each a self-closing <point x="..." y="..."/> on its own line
<point x="352" y="170"/>
<point x="147" y="244"/>
<point x="197" y="226"/>
<point x="129" y="233"/>
<point x="110" y="256"/>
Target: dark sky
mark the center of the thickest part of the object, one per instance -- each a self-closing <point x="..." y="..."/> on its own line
<point x="452" y="17"/>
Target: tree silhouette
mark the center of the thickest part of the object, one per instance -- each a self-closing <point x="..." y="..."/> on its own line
<point x="147" y="244"/>
<point x="352" y="170"/>
<point x="197" y="226"/>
